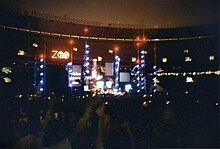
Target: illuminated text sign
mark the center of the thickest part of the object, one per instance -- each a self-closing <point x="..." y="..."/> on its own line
<point x="60" y="54"/>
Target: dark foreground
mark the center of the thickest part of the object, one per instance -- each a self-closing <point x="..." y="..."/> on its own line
<point x="131" y="121"/>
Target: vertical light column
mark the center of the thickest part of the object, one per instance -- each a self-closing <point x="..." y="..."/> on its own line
<point x="86" y="61"/>
<point x="141" y="73"/>
<point x="137" y="75"/>
<point x="86" y="65"/>
<point x="42" y="75"/>
<point x="35" y="73"/>
<point x="117" y="67"/>
<point x="154" y="88"/>
<point x="142" y="79"/>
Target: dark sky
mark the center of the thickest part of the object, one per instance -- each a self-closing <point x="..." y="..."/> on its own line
<point x="148" y="12"/>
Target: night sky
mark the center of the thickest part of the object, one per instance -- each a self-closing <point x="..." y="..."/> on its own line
<point x="151" y="13"/>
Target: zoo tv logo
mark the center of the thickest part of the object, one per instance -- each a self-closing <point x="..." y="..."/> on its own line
<point x="60" y="54"/>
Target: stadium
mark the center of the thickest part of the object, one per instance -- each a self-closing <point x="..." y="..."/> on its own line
<point x="162" y="83"/>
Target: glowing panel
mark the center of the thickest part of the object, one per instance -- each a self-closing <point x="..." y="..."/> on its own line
<point x="124" y="77"/>
<point x="109" y="69"/>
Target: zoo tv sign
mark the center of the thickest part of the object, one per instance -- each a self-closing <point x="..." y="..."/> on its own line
<point x="60" y="54"/>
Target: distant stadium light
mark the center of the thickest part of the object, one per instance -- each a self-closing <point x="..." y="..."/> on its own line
<point x="110" y="51"/>
<point x="7" y="79"/>
<point x="164" y="59"/>
<point x="211" y="57"/>
<point x="185" y="51"/>
<point x="6" y="70"/>
<point x="21" y="52"/>
<point x="35" y="45"/>
<point x="188" y="59"/>
<point x="189" y="80"/>
<point x="75" y="49"/>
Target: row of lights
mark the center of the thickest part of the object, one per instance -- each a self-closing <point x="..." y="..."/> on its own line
<point x="147" y="103"/>
<point x="105" y="38"/>
<point x="188" y="59"/>
<point x="217" y="72"/>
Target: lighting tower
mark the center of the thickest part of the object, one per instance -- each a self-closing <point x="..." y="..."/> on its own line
<point x="142" y="70"/>
<point x="140" y="76"/>
<point x="86" y="64"/>
<point x="117" y="67"/>
<point x="42" y="75"/>
<point x="154" y="88"/>
<point x="35" y="73"/>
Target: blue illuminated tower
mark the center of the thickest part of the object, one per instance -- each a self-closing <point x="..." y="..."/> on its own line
<point x="154" y="81"/>
<point x="142" y="71"/>
<point x="86" y="65"/>
<point x="117" y="67"/>
<point x="140" y="75"/>
<point x="35" y="73"/>
<point x="86" y="61"/>
<point x="42" y="76"/>
<point x="154" y="88"/>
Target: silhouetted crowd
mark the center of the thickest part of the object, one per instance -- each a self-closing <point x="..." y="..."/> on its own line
<point x="126" y="122"/>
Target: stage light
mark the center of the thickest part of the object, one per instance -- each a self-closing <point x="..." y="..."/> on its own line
<point x="41" y="81"/>
<point x="109" y="84"/>
<point x="128" y="87"/>
<point x="87" y="71"/>
<point x="99" y="58"/>
<point x="35" y="45"/>
<point x="100" y="84"/>
<point x="86" y="46"/>
<point x="87" y="52"/>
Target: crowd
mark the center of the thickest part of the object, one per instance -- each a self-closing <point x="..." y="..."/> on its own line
<point x="126" y="122"/>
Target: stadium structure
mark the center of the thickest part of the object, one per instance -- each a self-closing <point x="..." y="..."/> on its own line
<point x="43" y="53"/>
